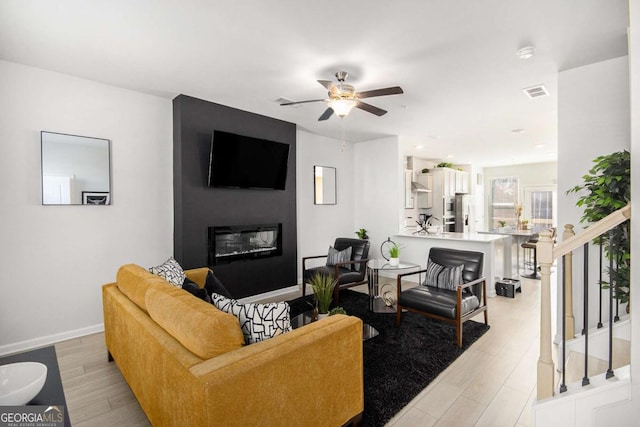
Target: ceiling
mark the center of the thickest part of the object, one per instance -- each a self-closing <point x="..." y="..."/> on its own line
<point x="455" y="59"/>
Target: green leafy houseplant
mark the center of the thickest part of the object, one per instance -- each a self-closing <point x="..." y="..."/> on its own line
<point x="394" y="251"/>
<point x="337" y="310"/>
<point x="444" y="165"/>
<point x="607" y="188"/>
<point x="322" y="286"/>
<point x="362" y="234"/>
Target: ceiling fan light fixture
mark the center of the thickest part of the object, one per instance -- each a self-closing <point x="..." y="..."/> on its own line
<point x="342" y="107"/>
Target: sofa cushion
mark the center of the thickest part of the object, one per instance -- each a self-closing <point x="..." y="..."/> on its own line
<point x="134" y="281"/>
<point x="200" y="327"/>
<point x="258" y="322"/>
<point x="437" y="301"/>
<point x="443" y="277"/>
<point x="170" y="271"/>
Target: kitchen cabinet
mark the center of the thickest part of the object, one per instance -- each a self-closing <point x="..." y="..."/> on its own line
<point x="462" y="182"/>
<point x="425" y="198"/>
<point x="408" y="194"/>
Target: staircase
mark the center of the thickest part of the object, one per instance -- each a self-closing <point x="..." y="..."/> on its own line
<point x="590" y="369"/>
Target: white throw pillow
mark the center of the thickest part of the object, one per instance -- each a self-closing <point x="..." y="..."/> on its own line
<point x="170" y="271"/>
<point x="258" y="322"/>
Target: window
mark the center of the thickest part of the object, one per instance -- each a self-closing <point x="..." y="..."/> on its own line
<point x="540" y="205"/>
<point x="504" y="196"/>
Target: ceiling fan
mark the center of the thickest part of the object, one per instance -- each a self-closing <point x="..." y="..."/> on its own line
<point x="343" y="97"/>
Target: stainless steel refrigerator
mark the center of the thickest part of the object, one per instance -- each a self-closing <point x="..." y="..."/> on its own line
<point x="463" y="212"/>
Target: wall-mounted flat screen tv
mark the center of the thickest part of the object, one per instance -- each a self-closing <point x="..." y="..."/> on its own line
<point x="237" y="161"/>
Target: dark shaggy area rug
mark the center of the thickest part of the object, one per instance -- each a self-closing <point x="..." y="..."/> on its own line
<point x="400" y="362"/>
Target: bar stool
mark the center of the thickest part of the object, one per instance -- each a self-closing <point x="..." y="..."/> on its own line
<point x="531" y="244"/>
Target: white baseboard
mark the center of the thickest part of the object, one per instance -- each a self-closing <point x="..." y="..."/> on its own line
<point x="49" y="339"/>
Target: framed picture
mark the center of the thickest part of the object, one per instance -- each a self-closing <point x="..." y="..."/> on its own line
<point x="96" y="198"/>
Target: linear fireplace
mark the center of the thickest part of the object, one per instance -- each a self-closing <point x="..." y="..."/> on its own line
<point x="244" y="242"/>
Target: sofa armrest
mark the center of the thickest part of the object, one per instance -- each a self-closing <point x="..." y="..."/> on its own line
<point x="312" y="374"/>
<point x="198" y="275"/>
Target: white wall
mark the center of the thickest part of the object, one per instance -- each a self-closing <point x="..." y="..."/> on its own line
<point x="379" y="189"/>
<point x="56" y="258"/>
<point x="593" y="120"/>
<point x="319" y="225"/>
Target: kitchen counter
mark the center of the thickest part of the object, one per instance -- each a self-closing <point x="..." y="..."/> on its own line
<point x="414" y="248"/>
<point x="470" y="237"/>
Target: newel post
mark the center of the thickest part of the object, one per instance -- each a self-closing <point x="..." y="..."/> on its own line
<point x="567" y="270"/>
<point x="545" y="361"/>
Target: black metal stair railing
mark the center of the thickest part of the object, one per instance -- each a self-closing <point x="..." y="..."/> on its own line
<point x="614" y="256"/>
<point x="585" y="327"/>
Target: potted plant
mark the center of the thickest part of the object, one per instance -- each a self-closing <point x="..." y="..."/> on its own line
<point x="362" y="234"/>
<point x="394" y="254"/>
<point x="323" y="285"/>
<point x="444" y="165"/>
<point x="337" y="310"/>
<point x="607" y="188"/>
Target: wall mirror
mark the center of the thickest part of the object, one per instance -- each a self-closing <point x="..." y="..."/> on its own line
<point x="76" y="170"/>
<point x="324" y="185"/>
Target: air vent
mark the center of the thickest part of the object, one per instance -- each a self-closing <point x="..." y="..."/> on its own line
<point x="283" y="100"/>
<point x="536" y="91"/>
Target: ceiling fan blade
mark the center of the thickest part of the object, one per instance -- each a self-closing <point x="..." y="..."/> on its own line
<point x="327" y="113"/>
<point x="395" y="90"/>
<point x="326" y="83"/>
<point x="302" y="102"/>
<point x="371" y="109"/>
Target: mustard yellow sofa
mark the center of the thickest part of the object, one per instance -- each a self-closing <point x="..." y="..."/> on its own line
<point x="187" y="364"/>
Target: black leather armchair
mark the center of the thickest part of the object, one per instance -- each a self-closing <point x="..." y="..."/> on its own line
<point x="347" y="274"/>
<point x="453" y="306"/>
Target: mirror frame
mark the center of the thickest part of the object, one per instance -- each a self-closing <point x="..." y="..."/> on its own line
<point x="77" y="196"/>
<point x="321" y="186"/>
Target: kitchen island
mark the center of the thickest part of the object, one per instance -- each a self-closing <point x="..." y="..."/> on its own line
<point x="414" y="247"/>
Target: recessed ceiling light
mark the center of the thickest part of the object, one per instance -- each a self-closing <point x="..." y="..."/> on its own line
<point x="433" y="136"/>
<point x="449" y="156"/>
<point x="539" y="145"/>
<point x="419" y="147"/>
<point x="517" y="131"/>
<point x="526" y="52"/>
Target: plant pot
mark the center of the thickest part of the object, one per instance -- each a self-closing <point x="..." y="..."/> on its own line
<point x="394" y="262"/>
<point x="322" y="316"/>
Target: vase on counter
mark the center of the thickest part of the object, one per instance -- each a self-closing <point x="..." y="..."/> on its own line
<point x="394" y="262"/>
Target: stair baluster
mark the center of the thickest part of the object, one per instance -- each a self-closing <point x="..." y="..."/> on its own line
<point x="563" y="385"/>
<point x="600" y="288"/>
<point x="585" y="308"/>
<point x="611" y="247"/>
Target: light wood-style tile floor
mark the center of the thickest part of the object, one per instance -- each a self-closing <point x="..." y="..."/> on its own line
<point x="491" y="384"/>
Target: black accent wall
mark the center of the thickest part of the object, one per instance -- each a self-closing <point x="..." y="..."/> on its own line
<point x="198" y="207"/>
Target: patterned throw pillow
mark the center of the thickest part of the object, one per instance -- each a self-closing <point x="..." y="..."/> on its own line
<point x="258" y="322"/>
<point x="170" y="271"/>
<point x="443" y="277"/>
<point x="335" y="256"/>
